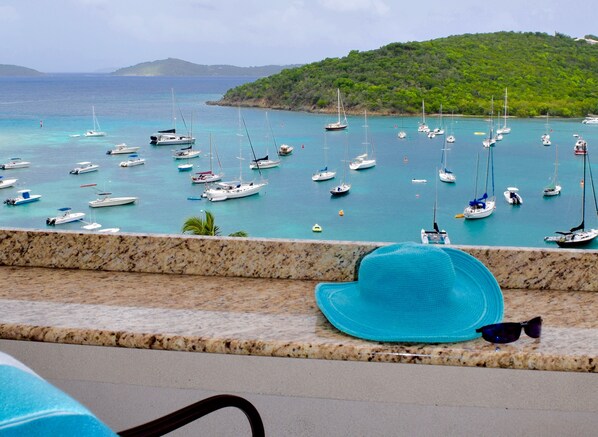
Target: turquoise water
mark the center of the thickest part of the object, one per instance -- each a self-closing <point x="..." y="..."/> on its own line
<point x="383" y="205"/>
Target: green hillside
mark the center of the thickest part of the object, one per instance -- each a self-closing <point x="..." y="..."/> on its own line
<point x="178" y="67"/>
<point x="15" y="70"/>
<point x="542" y="73"/>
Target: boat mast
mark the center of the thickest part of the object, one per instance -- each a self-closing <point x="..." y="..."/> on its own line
<point x="338" y="104"/>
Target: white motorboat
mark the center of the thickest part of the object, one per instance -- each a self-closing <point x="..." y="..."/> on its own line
<point x="419" y="181"/>
<point x="24" y="196"/>
<point x="185" y="167"/>
<point x="67" y="216"/>
<point x="186" y="153"/>
<point x="15" y="163"/>
<point x="364" y="160"/>
<point x="133" y="161"/>
<point x="512" y="196"/>
<point x="6" y="183"/>
<point x="590" y="119"/>
<point x="122" y="149"/>
<point x="581" y="146"/>
<point x="402" y="135"/>
<point x="554" y="189"/>
<point x="450" y="139"/>
<point x="84" y="167"/>
<point x="338" y="125"/>
<point x="285" y="150"/>
<point x="105" y="200"/>
<point x="97" y="130"/>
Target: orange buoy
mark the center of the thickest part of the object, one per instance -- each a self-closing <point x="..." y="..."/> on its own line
<point x="341" y="213"/>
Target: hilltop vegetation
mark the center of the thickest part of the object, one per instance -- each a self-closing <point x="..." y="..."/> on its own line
<point x="15" y="70"/>
<point x="542" y="73"/>
<point x="178" y="67"/>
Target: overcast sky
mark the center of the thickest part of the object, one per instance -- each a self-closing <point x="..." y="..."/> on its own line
<point x="95" y="35"/>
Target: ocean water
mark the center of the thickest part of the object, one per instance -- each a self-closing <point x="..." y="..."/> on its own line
<point x="383" y="204"/>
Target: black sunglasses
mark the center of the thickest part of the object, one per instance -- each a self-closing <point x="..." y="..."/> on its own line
<point x="510" y="331"/>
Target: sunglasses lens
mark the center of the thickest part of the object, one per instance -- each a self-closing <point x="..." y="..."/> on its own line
<point x="534" y="327"/>
<point x="502" y="332"/>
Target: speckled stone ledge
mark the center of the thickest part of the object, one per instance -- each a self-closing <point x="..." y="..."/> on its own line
<point x="255" y="297"/>
<point x="543" y="269"/>
<point x="266" y="317"/>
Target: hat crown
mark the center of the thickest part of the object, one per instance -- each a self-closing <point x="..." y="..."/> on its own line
<point x="409" y="276"/>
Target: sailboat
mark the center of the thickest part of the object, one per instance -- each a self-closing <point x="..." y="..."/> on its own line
<point x="208" y="176"/>
<point x="402" y="134"/>
<point x="504" y="129"/>
<point x="324" y="174"/>
<point x="169" y="137"/>
<point x="578" y="235"/>
<point x="451" y="138"/>
<point x="97" y="130"/>
<point x="437" y="130"/>
<point x="344" y="187"/>
<point x="220" y="191"/>
<point x="364" y="160"/>
<point x="423" y="127"/>
<point x="266" y="162"/>
<point x="435" y="236"/>
<point x="444" y="174"/>
<point x="484" y="206"/>
<point x="546" y="136"/>
<point x="554" y="189"/>
<point x="338" y="125"/>
<point x="490" y="140"/>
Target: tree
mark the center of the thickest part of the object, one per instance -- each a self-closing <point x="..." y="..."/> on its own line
<point x="199" y="226"/>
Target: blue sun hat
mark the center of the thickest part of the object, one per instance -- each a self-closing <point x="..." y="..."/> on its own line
<point x="411" y="292"/>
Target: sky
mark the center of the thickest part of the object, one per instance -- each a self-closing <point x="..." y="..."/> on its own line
<point x="102" y="35"/>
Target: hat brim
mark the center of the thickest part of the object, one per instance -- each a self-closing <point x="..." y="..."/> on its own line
<point x="476" y="301"/>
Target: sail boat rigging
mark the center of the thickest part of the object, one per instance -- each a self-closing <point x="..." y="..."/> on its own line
<point x="423" y="127"/>
<point x="324" y="174"/>
<point x="338" y="125"/>
<point x="554" y="189"/>
<point x="169" y="137"/>
<point x="484" y="206"/>
<point x="504" y="129"/>
<point x="97" y="130"/>
<point x="444" y="174"/>
<point x="364" y="160"/>
<point x="578" y="235"/>
<point x="435" y="236"/>
<point x="207" y="176"/>
<point x="220" y="191"/>
<point x="344" y="187"/>
<point x="265" y="162"/>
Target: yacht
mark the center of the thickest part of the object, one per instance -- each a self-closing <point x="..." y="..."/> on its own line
<point x="84" y="167"/>
<point x="122" y="149"/>
<point x="105" y="200"/>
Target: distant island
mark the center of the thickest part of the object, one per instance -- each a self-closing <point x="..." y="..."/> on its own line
<point x="178" y="67"/>
<point x="553" y="74"/>
<point x="15" y="70"/>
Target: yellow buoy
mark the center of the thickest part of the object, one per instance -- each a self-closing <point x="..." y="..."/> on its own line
<point x="341" y="213"/>
<point x="316" y="228"/>
<point x="459" y="216"/>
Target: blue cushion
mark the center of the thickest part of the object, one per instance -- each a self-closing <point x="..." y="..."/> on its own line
<point x="33" y="406"/>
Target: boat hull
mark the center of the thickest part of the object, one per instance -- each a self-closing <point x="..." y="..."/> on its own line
<point x="435" y="237"/>
<point x="66" y="218"/>
<point x="323" y="176"/>
<point x="264" y="164"/>
<point x="340" y="190"/>
<point x="7" y="183"/>
<point x="473" y="213"/>
<point x="236" y="192"/>
<point x="112" y="201"/>
<point x="577" y="239"/>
